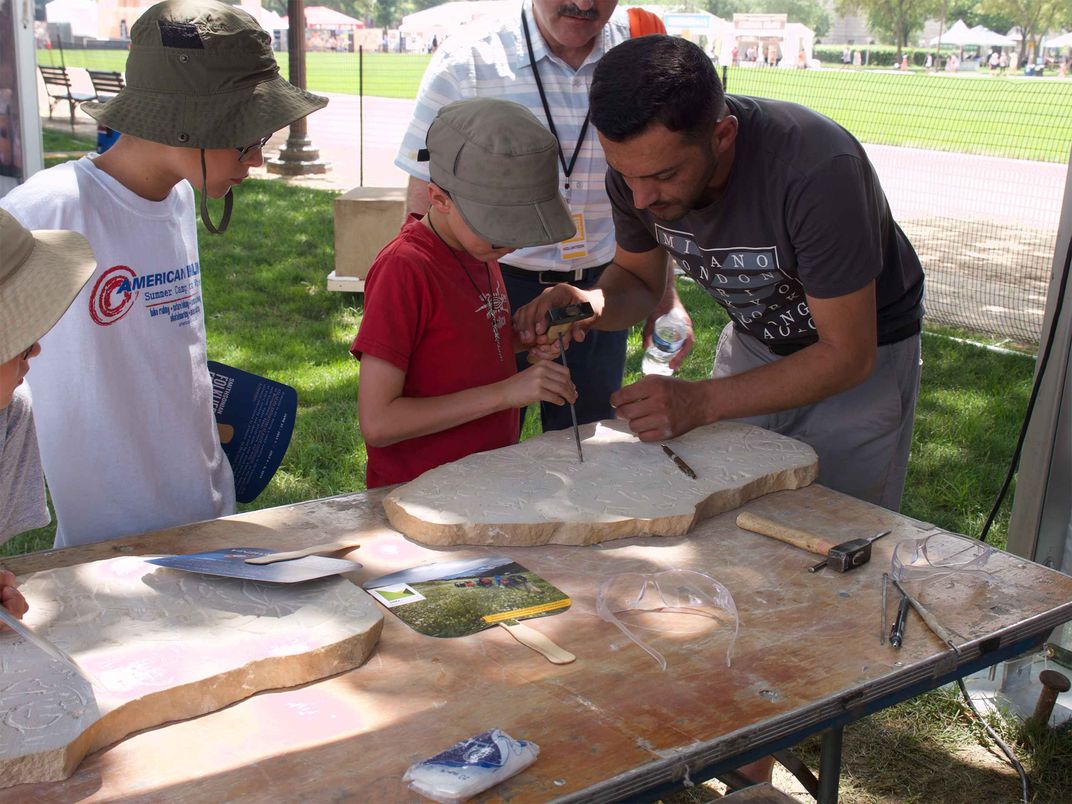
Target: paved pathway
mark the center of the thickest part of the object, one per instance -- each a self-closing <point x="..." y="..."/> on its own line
<point x="984" y="226"/>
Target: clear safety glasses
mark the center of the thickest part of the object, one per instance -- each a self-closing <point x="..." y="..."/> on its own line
<point x="679" y="604"/>
<point x="938" y="555"/>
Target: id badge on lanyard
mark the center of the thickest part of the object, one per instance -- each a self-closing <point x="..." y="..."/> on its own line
<point x="577" y="246"/>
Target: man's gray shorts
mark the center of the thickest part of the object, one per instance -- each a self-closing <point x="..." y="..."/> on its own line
<point x="862" y="435"/>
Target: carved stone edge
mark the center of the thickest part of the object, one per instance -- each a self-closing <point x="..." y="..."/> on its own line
<point x="197" y="698"/>
<point x="530" y="534"/>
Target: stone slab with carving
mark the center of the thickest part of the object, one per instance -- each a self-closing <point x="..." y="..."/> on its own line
<point x="160" y="645"/>
<point x="538" y="492"/>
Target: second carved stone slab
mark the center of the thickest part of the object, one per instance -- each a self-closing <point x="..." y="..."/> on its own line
<point x="160" y="645"/>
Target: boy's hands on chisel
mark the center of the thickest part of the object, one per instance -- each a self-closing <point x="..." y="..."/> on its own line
<point x="545" y="381"/>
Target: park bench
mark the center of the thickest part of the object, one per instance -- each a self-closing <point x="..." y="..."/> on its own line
<point x="106" y="83"/>
<point x="58" y="87"/>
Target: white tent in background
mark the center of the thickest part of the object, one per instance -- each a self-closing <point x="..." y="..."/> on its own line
<point x="268" y="20"/>
<point x="691" y="25"/>
<point x="322" y="17"/>
<point x="82" y="15"/>
<point x="329" y="19"/>
<point x="985" y="37"/>
<point x="444" y="19"/>
<point x="769" y="35"/>
<point x="1064" y="40"/>
<point x="957" y="34"/>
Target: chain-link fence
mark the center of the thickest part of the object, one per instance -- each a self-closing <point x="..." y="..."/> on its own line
<point x="973" y="165"/>
<point x="974" y="168"/>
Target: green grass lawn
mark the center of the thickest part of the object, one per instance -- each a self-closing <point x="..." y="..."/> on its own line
<point x="1023" y="118"/>
<point x="55" y="140"/>
<point x="387" y="75"/>
<point x="60" y="145"/>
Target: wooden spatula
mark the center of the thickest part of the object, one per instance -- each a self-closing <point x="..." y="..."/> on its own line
<point x="531" y="638"/>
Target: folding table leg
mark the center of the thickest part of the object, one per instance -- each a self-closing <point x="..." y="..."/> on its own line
<point x="830" y="765"/>
<point x="792" y="763"/>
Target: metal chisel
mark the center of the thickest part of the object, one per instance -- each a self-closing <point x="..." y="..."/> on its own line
<point x="560" y="319"/>
<point x="679" y="462"/>
<point x="572" y="409"/>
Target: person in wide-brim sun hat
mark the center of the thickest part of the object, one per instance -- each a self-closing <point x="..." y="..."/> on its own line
<point x="202" y="74"/>
<point x="126" y="365"/>
<point x="41" y="272"/>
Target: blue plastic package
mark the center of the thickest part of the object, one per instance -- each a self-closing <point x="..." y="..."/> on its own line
<point x="470" y="766"/>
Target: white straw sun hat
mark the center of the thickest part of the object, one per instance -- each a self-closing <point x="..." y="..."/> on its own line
<point x="41" y="273"/>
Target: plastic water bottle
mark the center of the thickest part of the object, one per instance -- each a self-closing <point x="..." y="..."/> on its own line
<point x="666" y="341"/>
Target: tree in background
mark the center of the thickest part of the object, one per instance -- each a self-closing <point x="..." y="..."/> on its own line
<point x="810" y="12"/>
<point x="725" y="9"/>
<point x="973" y="14"/>
<point x="387" y="13"/>
<point x="898" y="19"/>
<point x="1035" y="17"/>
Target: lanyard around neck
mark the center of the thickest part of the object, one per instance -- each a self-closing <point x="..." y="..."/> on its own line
<point x="566" y="169"/>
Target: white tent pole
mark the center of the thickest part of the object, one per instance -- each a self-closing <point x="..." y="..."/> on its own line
<point x="1042" y="510"/>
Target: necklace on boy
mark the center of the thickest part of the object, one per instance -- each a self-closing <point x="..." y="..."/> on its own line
<point x="486" y="298"/>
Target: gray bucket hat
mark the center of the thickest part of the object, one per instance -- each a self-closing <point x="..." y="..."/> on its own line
<point x="201" y="74"/>
<point x="500" y="166"/>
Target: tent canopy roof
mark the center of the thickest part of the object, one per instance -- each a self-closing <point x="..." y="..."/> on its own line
<point x="960" y="34"/>
<point x="984" y="36"/>
<point x="1064" y="40"/>
<point x="324" y="17"/>
<point x="453" y="14"/>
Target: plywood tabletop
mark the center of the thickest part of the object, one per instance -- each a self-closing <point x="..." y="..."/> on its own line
<point x="808" y="651"/>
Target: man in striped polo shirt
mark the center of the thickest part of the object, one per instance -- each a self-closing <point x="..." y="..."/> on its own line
<point x="542" y="55"/>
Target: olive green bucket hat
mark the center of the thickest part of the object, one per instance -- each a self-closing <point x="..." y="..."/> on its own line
<point x="500" y="166"/>
<point x="201" y="74"/>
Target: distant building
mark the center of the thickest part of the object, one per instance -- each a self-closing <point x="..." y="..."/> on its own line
<point x="97" y="19"/>
<point x="848" y="30"/>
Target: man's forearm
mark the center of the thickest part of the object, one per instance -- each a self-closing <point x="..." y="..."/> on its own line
<point x="626" y="298"/>
<point x="669" y="299"/>
<point x="802" y="378"/>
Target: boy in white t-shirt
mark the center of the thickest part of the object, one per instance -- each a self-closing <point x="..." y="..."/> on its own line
<point x="124" y="414"/>
<point x="40" y="274"/>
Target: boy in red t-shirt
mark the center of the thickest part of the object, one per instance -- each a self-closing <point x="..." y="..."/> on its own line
<point x="438" y="378"/>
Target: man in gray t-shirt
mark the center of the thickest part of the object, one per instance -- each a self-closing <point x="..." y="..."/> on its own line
<point x="777" y="213"/>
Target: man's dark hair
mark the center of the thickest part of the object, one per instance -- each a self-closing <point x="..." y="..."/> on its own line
<point x="655" y="79"/>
